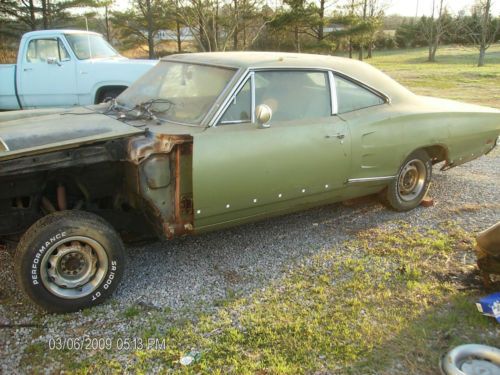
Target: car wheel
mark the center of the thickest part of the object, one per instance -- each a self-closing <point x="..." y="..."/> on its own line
<point x="409" y="187"/>
<point x="69" y="260"/>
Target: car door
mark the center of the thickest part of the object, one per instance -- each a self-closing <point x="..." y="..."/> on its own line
<point x="242" y="171"/>
<point x="376" y="141"/>
<point x="47" y="77"/>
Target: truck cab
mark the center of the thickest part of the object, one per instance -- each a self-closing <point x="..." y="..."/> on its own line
<point x="60" y="68"/>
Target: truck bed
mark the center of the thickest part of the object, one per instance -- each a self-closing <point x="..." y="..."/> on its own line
<point x="8" y="98"/>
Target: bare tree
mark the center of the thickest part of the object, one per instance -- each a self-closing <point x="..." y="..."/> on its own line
<point x="201" y="17"/>
<point x="148" y="13"/>
<point x="361" y="44"/>
<point x="31" y="9"/>
<point x="216" y="25"/>
<point x="375" y="14"/>
<point x="481" y="29"/>
<point x="433" y="29"/>
<point x="351" y="14"/>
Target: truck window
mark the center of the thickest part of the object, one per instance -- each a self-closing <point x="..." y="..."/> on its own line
<point x="39" y="50"/>
<point x="87" y="46"/>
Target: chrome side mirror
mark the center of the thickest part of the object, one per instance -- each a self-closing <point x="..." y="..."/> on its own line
<point x="53" y="61"/>
<point x="263" y="114"/>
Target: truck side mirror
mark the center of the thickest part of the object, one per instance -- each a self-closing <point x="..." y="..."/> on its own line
<point x="53" y="61"/>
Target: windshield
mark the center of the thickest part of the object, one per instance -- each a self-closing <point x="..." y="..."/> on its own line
<point x="86" y="46"/>
<point x="178" y="92"/>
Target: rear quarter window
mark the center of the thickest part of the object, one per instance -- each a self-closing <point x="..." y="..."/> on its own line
<point x="352" y="97"/>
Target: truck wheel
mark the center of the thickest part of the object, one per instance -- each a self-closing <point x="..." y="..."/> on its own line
<point x="409" y="187"/>
<point x="69" y="260"/>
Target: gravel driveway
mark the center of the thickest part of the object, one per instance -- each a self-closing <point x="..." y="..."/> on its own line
<point x="188" y="275"/>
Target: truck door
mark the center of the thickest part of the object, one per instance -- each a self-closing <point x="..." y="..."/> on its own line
<point x="47" y="74"/>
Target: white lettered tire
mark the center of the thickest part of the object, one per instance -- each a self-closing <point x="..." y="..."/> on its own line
<point x="69" y="260"/>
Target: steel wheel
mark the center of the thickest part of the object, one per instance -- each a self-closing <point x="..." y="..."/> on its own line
<point x="74" y="267"/>
<point x="69" y="260"/>
<point x="411" y="180"/>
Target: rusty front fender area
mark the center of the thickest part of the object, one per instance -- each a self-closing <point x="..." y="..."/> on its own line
<point x="159" y="179"/>
<point x="141" y="147"/>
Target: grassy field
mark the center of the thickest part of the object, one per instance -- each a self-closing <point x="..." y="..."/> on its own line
<point x="454" y="75"/>
<point x="397" y="298"/>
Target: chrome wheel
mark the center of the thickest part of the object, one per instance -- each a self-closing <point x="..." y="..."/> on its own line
<point x="411" y="180"/>
<point x="74" y="267"/>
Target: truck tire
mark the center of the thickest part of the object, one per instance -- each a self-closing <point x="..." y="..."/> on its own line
<point x="407" y="190"/>
<point x="69" y="260"/>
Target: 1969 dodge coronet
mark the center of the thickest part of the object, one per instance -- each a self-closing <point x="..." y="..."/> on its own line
<point x="205" y="141"/>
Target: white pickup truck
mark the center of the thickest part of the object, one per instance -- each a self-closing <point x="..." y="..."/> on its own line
<point x="64" y="68"/>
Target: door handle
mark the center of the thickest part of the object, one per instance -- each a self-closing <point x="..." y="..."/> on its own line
<point x="338" y="135"/>
<point x="27" y="69"/>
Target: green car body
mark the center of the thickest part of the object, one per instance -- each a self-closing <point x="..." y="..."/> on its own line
<point x="208" y="173"/>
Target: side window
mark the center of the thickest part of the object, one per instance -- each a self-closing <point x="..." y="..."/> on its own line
<point x="39" y="50"/>
<point x="294" y="95"/>
<point x="351" y="97"/>
<point x="240" y="109"/>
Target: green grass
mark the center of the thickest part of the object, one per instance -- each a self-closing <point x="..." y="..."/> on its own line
<point x="454" y="75"/>
<point x="132" y="311"/>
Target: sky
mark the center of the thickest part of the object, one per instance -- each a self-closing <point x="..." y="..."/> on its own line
<point x="402" y="7"/>
<point x="409" y="7"/>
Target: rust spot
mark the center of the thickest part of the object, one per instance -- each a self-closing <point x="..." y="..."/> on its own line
<point x="141" y="147"/>
<point x="183" y="203"/>
<point x="180" y="219"/>
<point x="168" y="230"/>
<point x="187" y="205"/>
<point x="427" y="202"/>
<point x="61" y="197"/>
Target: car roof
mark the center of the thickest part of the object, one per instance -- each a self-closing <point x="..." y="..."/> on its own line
<point x="57" y="31"/>
<point x="360" y="71"/>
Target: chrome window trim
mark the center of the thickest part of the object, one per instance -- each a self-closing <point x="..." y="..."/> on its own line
<point x="250" y="78"/>
<point x="250" y="74"/>
<point x="233" y="122"/>
<point x="251" y="71"/>
<point x="333" y="93"/>
<point x="384" y="96"/>
<point x="252" y="87"/>
<point x="229" y="95"/>
<point x="4" y="145"/>
<point x="370" y="179"/>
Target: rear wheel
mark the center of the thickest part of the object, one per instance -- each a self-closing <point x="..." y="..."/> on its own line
<point x="69" y="260"/>
<point x="409" y="187"/>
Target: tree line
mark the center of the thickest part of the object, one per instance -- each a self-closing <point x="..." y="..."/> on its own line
<point x="356" y="27"/>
